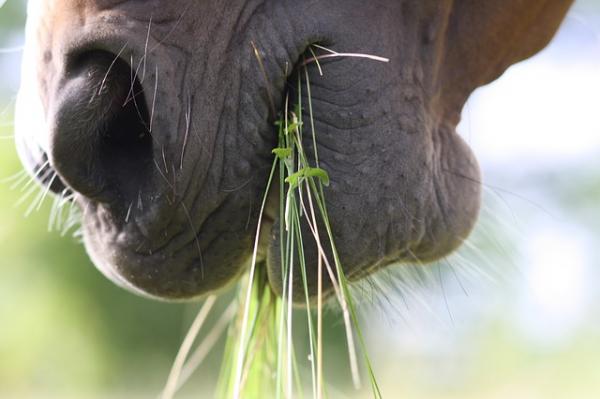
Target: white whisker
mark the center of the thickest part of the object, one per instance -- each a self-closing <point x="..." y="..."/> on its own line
<point x="196" y="239"/>
<point x="128" y="212"/>
<point x="154" y="98"/>
<point x="145" y="57"/>
<point x="17" y="176"/>
<point x="187" y="131"/>
<point x="9" y="50"/>
<point x="103" y="82"/>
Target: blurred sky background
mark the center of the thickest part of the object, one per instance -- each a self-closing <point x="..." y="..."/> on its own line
<point x="515" y="314"/>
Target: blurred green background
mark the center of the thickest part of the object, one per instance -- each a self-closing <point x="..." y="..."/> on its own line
<point x="515" y="314"/>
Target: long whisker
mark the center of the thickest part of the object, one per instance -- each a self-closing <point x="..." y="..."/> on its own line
<point x="28" y="192"/>
<point x="46" y="191"/>
<point x="36" y="174"/>
<point x="443" y="288"/>
<point x="164" y="159"/>
<point x="132" y="96"/>
<point x="34" y="203"/>
<point x="175" y="25"/>
<point x="73" y="219"/>
<point x="162" y="174"/>
<point x="17" y="176"/>
<point x="145" y="57"/>
<point x="54" y="212"/>
<point x="197" y="240"/>
<point x="112" y="64"/>
<point x="56" y="221"/>
<point x="187" y="131"/>
<point x="496" y="190"/>
<point x="8" y="50"/>
<point x="128" y="212"/>
<point x="39" y="196"/>
<point x="154" y="98"/>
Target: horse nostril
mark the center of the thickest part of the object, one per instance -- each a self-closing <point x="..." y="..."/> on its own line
<point x="100" y="143"/>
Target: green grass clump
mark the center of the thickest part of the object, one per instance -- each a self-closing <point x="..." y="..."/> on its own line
<point x="260" y="358"/>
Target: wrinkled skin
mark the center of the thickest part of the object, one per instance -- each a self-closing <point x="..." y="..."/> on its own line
<point x="159" y="117"/>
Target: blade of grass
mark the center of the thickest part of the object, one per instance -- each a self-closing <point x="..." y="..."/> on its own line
<point x="171" y="385"/>
<point x="243" y="343"/>
<point x="197" y="357"/>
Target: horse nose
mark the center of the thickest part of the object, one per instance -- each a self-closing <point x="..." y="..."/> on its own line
<point x="100" y="143"/>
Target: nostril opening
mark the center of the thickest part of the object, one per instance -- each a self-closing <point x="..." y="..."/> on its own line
<point x="101" y="142"/>
<point x="126" y="149"/>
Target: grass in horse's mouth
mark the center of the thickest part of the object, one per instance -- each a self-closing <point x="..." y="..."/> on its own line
<point x="259" y="358"/>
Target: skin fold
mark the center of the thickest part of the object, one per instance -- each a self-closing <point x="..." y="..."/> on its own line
<point x="159" y="117"/>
